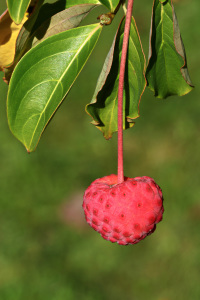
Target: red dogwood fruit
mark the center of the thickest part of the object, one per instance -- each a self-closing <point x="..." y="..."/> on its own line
<point x="126" y="212"/>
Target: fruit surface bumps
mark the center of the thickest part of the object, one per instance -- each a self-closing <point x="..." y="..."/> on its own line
<point x="124" y="213"/>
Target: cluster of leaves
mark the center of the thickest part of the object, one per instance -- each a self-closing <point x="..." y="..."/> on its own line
<point x="43" y="49"/>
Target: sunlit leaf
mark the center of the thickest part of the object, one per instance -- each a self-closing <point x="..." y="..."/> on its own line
<point x="43" y="77"/>
<point x="103" y="107"/>
<point x="49" y="20"/>
<point x="167" y="72"/>
<point x="9" y="32"/>
<point x="110" y="4"/>
<point x="17" y="9"/>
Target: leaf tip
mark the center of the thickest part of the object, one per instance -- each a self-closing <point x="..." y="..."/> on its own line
<point x="107" y="136"/>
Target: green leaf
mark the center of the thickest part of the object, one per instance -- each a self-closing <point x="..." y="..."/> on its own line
<point x="103" y="107"/>
<point x="42" y="79"/>
<point x="78" y="2"/>
<point x="50" y="19"/>
<point x="110" y="4"/>
<point x="167" y="72"/>
<point x="17" y="9"/>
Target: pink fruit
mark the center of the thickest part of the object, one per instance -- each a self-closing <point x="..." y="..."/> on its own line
<point x="124" y="213"/>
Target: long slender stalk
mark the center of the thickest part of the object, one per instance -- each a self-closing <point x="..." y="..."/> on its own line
<point x="120" y="90"/>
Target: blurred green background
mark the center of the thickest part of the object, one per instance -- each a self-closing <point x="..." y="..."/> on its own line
<point x="47" y="251"/>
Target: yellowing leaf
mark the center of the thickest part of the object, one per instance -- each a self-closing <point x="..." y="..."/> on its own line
<point x="9" y="32"/>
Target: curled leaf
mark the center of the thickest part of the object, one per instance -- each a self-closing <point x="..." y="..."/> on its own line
<point x="104" y="105"/>
<point x="167" y="72"/>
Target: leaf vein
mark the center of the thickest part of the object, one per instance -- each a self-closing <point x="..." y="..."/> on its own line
<point x="59" y="80"/>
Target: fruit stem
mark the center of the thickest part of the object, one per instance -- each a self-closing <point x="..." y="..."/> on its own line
<point x="120" y="89"/>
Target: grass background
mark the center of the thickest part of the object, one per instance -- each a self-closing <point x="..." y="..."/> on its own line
<point x="47" y="251"/>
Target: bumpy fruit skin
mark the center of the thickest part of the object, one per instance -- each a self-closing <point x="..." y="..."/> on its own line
<point x="124" y="213"/>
